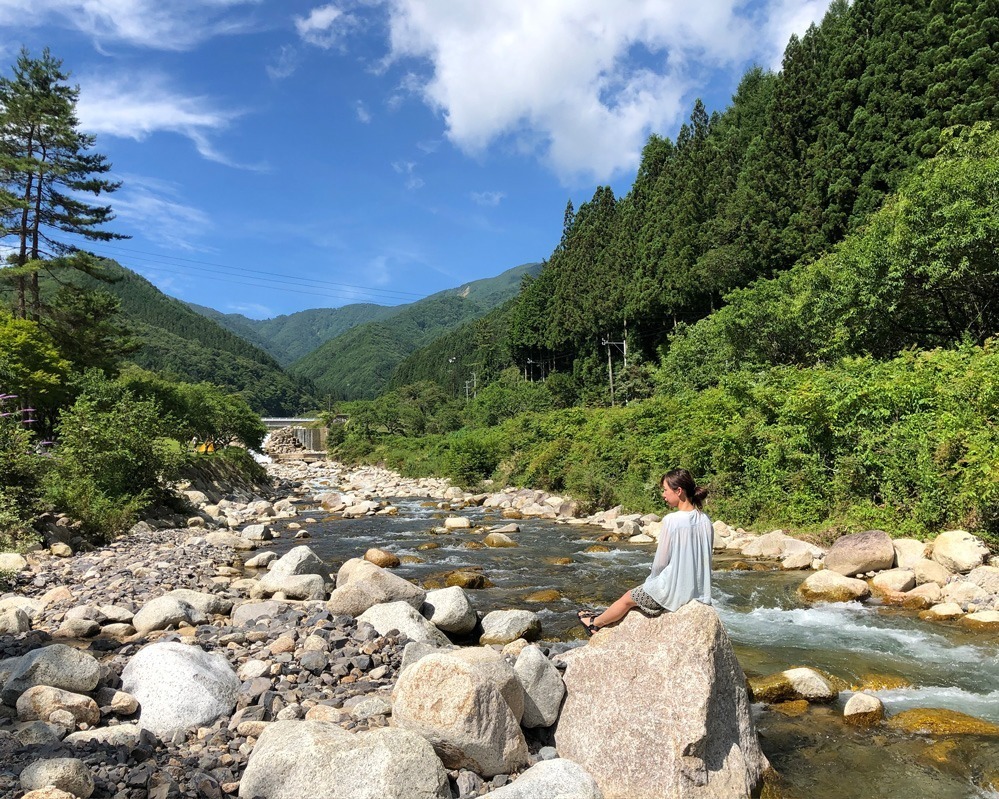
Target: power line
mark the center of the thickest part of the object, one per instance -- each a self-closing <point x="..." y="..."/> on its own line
<point x="180" y="262"/>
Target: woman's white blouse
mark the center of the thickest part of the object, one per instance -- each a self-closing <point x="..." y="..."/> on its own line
<point x="681" y="570"/>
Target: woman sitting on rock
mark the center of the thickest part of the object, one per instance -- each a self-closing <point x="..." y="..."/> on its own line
<point x="681" y="570"/>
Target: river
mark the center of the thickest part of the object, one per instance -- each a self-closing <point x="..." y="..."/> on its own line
<point x="816" y="754"/>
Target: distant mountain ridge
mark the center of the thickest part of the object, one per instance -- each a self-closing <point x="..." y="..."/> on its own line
<point x="359" y="363"/>
<point x="291" y="337"/>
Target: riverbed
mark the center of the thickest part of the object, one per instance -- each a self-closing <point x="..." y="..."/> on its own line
<point x="936" y="665"/>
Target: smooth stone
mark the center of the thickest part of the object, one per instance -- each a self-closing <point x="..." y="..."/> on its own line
<point x="39" y="702"/>
<point x="959" y="551"/>
<point x="864" y="710"/>
<point x="450" y="610"/>
<point x="861" y="552"/>
<point x="829" y="586"/>
<point x="403" y="617"/>
<point x="65" y="773"/>
<point x="57" y="665"/>
<point x="504" y="626"/>
<point x="543" y="687"/>
<point x="386" y="560"/>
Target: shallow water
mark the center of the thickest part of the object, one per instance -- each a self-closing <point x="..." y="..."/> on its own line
<point x="816" y="755"/>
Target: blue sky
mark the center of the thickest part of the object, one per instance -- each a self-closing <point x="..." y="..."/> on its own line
<point x="278" y="155"/>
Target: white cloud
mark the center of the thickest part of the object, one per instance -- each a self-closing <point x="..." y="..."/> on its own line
<point x="283" y="64"/>
<point x="363" y="114"/>
<point x="172" y="25"/>
<point x="138" y="106"/>
<point x="252" y="309"/>
<point x="786" y="17"/>
<point x="325" y="26"/>
<point x="408" y="169"/>
<point x="155" y="209"/>
<point x="487" y="198"/>
<point x="581" y="83"/>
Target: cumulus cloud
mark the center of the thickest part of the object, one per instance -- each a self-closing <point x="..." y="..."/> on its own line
<point x="580" y="83"/>
<point x="173" y="25"/>
<point x="325" y="26"/>
<point x="283" y="64"/>
<point x="140" y="105"/>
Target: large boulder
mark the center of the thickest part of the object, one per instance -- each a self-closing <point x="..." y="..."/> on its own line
<point x="320" y="760"/>
<point x="406" y="619"/>
<point x="986" y="578"/>
<point x="463" y="715"/>
<point x="291" y="586"/>
<point x="551" y="779"/>
<point x="792" y="685"/>
<point x="300" y="560"/>
<point x="179" y="686"/>
<point x="494" y="667"/>
<point x="361" y="585"/>
<point x="58" y="665"/>
<point x="861" y="552"/>
<point x="678" y="675"/>
<point x="166" y="611"/>
<point x="504" y="626"/>
<point x="959" y="551"/>
<point x="828" y="586"/>
<point x="450" y="610"/>
<point x="543" y="687"/>
<point x="908" y="551"/>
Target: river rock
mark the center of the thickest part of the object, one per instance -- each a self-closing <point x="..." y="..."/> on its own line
<point x="931" y="592"/>
<point x="256" y="532"/>
<point x="415" y="651"/>
<point x="32" y="607"/>
<point x="14" y="621"/>
<point x="386" y="560"/>
<point x="49" y="792"/>
<point x="291" y="586"/>
<point x="964" y="593"/>
<point x="929" y="571"/>
<point x="895" y="580"/>
<point x="677" y="673"/>
<point x="457" y="523"/>
<point x="39" y="702"/>
<point x="65" y="773"/>
<point x="498" y="540"/>
<point x="779" y="545"/>
<point x="261" y="561"/>
<point x="551" y="779"/>
<point x="495" y="668"/>
<point x="450" y="610"/>
<point x="362" y="585"/>
<point x="792" y="685"/>
<point x="166" y="611"/>
<point x="247" y="614"/>
<point x="863" y="710"/>
<point x="319" y="760"/>
<point x="959" y="551"/>
<point x="908" y="551"/>
<point x="179" y="686"/>
<point x="504" y="626"/>
<point x="220" y="538"/>
<point x="830" y="586"/>
<point x="986" y="578"/>
<point x="406" y="619"/>
<point x="462" y="714"/>
<point x="543" y="687"/>
<point x="58" y="665"/>
<point x="987" y="620"/>
<point x="861" y="552"/>
<point x="12" y="562"/>
<point x="945" y="611"/>
<point x="209" y="604"/>
<point x="300" y="560"/>
<point x="939" y="721"/>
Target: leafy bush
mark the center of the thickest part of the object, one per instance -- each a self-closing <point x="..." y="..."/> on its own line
<point x="21" y="470"/>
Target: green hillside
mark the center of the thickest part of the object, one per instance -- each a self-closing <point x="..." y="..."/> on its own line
<point x="290" y="336"/>
<point x="358" y="364"/>
<point x="176" y="340"/>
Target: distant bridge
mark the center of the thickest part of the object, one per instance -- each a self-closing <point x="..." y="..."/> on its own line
<point x="276" y="422"/>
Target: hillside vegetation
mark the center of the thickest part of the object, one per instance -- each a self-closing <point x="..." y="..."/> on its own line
<point x="807" y="283"/>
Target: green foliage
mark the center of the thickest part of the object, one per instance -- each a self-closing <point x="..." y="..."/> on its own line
<point x="506" y="397"/>
<point x="20" y="473"/>
<point x="31" y="366"/>
<point x="112" y="457"/>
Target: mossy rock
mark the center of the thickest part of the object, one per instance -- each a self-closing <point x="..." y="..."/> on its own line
<point x="546" y="595"/>
<point x="411" y="559"/>
<point x="940" y="721"/>
<point x="880" y="682"/>
<point x="428" y="545"/>
<point x="559" y="561"/>
<point x="597" y="548"/>
<point x="792" y="709"/>
<point x="512" y="513"/>
<point x="469" y="580"/>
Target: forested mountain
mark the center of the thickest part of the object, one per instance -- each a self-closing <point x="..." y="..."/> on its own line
<point x="358" y="364"/>
<point x="290" y="336"/>
<point x="799" y="160"/>
<point x="174" y="339"/>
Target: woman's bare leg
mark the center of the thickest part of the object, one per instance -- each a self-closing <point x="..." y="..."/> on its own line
<point x="617" y="611"/>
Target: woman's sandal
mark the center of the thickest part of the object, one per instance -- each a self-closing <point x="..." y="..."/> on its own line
<point x="590" y="627"/>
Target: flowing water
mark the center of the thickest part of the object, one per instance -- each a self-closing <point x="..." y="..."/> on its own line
<point x="816" y="754"/>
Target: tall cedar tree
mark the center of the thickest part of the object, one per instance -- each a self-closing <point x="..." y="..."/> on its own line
<point x="45" y="165"/>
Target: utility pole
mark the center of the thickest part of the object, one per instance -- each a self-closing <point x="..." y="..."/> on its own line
<point x="623" y="346"/>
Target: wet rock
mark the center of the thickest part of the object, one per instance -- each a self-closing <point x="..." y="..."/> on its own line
<point x="380" y="557"/>
<point x="498" y="540"/>
<point x="829" y="586"/>
<point x="939" y="721"/>
<point x="457" y="523"/>
<point x="985" y="620"/>
<point x="799" y="683"/>
<point x="863" y="710"/>
<point x="945" y="611"/>
<point x="469" y="580"/>
<point x="545" y="595"/>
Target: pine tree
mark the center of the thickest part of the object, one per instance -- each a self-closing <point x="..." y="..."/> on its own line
<point x="45" y="165"/>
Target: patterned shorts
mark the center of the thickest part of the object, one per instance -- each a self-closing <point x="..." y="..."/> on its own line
<point x="645" y="603"/>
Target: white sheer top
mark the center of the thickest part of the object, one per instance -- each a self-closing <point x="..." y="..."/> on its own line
<point x="681" y="570"/>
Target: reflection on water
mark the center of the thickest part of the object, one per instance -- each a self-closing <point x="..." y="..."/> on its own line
<point x="816" y="755"/>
